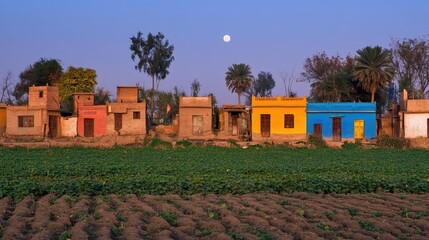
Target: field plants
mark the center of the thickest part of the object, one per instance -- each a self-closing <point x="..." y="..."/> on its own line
<point x="184" y="171"/>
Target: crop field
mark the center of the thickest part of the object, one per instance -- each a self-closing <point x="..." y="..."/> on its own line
<point x="213" y="193"/>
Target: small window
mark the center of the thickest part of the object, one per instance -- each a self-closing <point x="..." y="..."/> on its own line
<point x="289" y="121"/>
<point x="40" y="94"/>
<point x="25" y="121"/>
<point x="136" y="115"/>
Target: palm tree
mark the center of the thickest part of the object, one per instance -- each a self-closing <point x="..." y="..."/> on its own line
<point x="238" y="78"/>
<point x="374" y="69"/>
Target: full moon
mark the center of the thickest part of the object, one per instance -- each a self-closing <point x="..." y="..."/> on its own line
<point x="226" y="38"/>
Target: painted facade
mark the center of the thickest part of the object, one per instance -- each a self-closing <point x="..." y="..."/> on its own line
<point x="278" y="118"/>
<point x="92" y="121"/>
<point x="195" y="117"/>
<point x="415" y="116"/>
<point x="342" y="121"/>
<point x="2" y="118"/>
<point x="41" y="117"/>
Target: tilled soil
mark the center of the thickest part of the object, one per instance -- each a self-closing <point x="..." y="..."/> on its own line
<point x="250" y="216"/>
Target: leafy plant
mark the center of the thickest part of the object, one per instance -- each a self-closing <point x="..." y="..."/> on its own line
<point x="170" y="217"/>
<point x="386" y="141"/>
<point x="316" y="141"/>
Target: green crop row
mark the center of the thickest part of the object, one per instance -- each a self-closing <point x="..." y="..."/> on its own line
<point x="93" y="171"/>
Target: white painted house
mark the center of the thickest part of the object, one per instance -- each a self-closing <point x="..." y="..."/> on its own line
<point x="415" y="115"/>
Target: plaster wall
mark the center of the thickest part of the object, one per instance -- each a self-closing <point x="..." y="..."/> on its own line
<point x="415" y="125"/>
<point x="130" y="126"/>
<point x="40" y="119"/>
<point x="68" y="126"/>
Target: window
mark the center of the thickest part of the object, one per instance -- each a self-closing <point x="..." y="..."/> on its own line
<point x="289" y="121"/>
<point x="40" y="94"/>
<point x="136" y="115"/>
<point x="25" y="121"/>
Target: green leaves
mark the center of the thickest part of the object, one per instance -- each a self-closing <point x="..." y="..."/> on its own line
<point x="118" y="170"/>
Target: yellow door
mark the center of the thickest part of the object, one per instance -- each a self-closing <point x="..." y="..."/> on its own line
<point x="359" y="125"/>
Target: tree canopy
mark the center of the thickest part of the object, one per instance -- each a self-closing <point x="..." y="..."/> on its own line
<point x="195" y="88"/>
<point x="374" y="69"/>
<point x="154" y="56"/>
<point x="77" y="80"/>
<point x="41" y="73"/>
<point x="411" y="59"/>
<point x="239" y="78"/>
<point x="264" y="84"/>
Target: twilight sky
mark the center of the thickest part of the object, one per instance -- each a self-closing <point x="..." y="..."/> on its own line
<point x="274" y="36"/>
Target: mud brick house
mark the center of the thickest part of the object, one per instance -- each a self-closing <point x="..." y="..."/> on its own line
<point x="2" y="118"/>
<point x="127" y="116"/>
<point x="415" y="116"/>
<point x="82" y="99"/>
<point x="342" y="121"/>
<point x="91" y="119"/>
<point x="234" y="120"/>
<point x="278" y="118"/>
<point x="389" y="122"/>
<point x="195" y="117"/>
<point x="41" y="117"/>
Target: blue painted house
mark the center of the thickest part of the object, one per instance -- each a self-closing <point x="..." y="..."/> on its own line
<point x="342" y="121"/>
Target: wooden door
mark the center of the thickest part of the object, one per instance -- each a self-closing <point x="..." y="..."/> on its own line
<point x="336" y="129"/>
<point x="359" y="129"/>
<point x="427" y="125"/>
<point x="53" y="126"/>
<point x="265" y="125"/>
<point x="317" y="130"/>
<point x="118" y="121"/>
<point x="197" y="125"/>
<point x="88" y="129"/>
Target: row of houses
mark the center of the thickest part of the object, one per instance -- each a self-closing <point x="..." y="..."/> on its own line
<point x="42" y="116"/>
<point x="268" y="119"/>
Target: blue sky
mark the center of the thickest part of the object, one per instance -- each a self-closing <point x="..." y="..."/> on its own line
<point x="274" y="36"/>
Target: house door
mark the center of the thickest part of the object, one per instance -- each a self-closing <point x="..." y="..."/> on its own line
<point x="53" y="126"/>
<point x="358" y="130"/>
<point x="197" y="125"/>
<point x="265" y="125"/>
<point x="118" y="121"/>
<point x="427" y="128"/>
<point x="88" y="128"/>
<point x="234" y="124"/>
<point x="317" y="130"/>
<point x="336" y="129"/>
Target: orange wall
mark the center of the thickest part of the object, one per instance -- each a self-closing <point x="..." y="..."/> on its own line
<point x="98" y="113"/>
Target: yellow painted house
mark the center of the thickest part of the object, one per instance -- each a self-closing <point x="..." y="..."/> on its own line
<point x="2" y="118"/>
<point x="279" y="118"/>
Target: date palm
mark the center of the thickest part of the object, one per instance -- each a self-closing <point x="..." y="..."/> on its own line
<point x="374" y="69"/>
<point x="238" y="78"/>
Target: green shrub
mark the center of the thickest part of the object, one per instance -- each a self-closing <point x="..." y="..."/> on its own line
<point x="183" y="143"/>
<point x="386" y="141"/>
<point x="160" y="144"/>
<point x="350" y="145"/>
<point x="316" y="141"/>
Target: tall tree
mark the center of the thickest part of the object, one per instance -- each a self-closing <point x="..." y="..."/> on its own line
<point x="42" y="72"/>
<point x="239" y="78"/>
<point x="154" y="58"/>
<point x="411" y="58"/>
<point x="195" y="88"/>
<point x="264" y="84"/>
<point x="321" y="71"/>
<point x="288" y="80"/>
<point x="6" y="89"/>
<point x="374" y="69"/>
